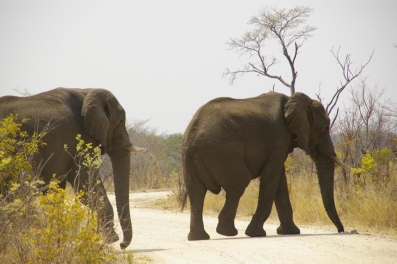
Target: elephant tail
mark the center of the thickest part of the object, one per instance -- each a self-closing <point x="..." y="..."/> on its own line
<point x="184" y="198"/>
<point x="183" y="194"/>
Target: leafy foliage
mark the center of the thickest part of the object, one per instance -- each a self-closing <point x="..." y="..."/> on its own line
<point x="88" y="158"/>
<point x="289" y="164"/>
<point x="66" y="231"/>
<point x="367" y="165"/>
<point x="16" y="152"/>
<point x="45" y="228"/>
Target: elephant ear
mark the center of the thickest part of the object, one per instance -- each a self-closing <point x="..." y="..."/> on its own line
<point x="299" y="117"/>
<point x="96" y="113"/>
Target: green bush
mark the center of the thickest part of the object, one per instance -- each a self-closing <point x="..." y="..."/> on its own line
<point x="45" y="228"/>
<point x="66" y="231"/>
<point x="17" y="150"/>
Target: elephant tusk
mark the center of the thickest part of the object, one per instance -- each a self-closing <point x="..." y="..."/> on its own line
<point x="137" y="150"/>
<point x="340" y="163"/>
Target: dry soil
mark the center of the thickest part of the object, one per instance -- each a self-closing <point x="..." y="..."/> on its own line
<point x="162" y="235"/>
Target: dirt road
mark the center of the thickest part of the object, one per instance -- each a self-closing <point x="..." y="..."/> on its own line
<point x="162" y="235"/>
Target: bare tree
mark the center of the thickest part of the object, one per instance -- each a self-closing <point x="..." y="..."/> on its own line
<point x="348" y="128"/>
<point x="366" y="125"/>
<point x="289" y="29"/>
<point x="349" y="75"/>
<point x="286" y="26"/>
<point x="367" y="103"/>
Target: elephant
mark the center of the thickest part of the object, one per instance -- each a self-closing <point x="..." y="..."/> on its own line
<point x="230" y="142"/>
<point x="98" y="117"/>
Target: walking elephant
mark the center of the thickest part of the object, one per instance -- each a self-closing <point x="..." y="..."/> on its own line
<point x="229" y="142"/>
<point x="98" y="117"/>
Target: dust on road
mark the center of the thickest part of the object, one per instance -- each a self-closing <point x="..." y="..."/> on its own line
<point x="162" y="235"/>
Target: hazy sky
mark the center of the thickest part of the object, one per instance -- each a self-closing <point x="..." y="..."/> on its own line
<point x="163" y="59"/>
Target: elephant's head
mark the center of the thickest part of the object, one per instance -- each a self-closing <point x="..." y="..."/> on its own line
<point x="104" y="119"/>
<point x="309" y="123"/>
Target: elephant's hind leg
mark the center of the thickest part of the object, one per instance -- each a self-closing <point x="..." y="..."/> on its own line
<point x="269" y="182"/>
<point x="255" y="227"/>
<point x="196" y="192"/>
<point x="234" y="190"/>
<point x="226" y="216"/>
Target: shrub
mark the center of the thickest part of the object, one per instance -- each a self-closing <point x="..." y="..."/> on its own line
<point x="18" y="181"/>
<point x="17" y="150"/>
<point x="365" y="171"/>
<point x="45" y="228"/>
<point x="65" y="231"/>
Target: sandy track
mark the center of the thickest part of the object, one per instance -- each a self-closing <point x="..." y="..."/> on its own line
<point x="162" y="235"/>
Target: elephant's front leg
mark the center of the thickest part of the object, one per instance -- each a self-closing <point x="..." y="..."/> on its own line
<point x="284" y="209"/>
<point x="96" y="199"/>
<point x="107" y="220"/>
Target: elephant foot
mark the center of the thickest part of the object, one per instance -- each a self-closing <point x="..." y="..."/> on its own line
<point x="291" y="229"/>
<point x="226" y="230"/>
<point x="111" y="235"/>
<point x="255" y="230"/>
<point x="198" y="236"/>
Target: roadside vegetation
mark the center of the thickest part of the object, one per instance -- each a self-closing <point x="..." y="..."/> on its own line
<point x="159" y="168"/>
<point x="54" y="227"/>
<point x="57" y="228"/>
<point x="68" y="232"/>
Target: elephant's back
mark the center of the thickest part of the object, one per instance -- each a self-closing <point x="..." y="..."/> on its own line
<point x="6" y="105"/>
<point x="49" y="105"/>
<point x="231" y="117"/>
<point x="238" y="126"/>
<point x="205" y="122"/>
<point x="58" y="111"/>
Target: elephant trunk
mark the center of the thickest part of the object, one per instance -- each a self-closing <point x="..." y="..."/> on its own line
<point x="325" y="170"/>
<point x="121" y="169"/>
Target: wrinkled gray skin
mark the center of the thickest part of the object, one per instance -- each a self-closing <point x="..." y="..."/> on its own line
<point x="98" y="117"/>
<point x="229" y="142"/>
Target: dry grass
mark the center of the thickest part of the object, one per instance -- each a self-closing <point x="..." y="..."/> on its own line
<point x="247" y="204"/>
<point x="140" y="258"/>
<point x="372" y="208"/>
<point x="127" y="257"/>
<point x="369" y="209"/>
<point x="306" y="201"/>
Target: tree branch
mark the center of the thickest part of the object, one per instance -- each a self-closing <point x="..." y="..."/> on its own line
<point x="348" y="76"/>
<point x="287" y="26"/>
